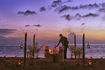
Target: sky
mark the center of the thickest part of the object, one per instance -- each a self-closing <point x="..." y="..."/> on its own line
<point x="53" y="17"/>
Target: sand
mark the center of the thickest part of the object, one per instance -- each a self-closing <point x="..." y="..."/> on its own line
<point x="46" y="64"/>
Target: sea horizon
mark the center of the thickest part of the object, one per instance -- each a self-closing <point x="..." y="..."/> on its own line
<point x="95" y="50"/>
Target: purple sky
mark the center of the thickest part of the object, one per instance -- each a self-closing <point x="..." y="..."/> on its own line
<point x="12" y="23"/>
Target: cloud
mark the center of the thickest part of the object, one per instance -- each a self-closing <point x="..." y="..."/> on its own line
<point x="6" y="31"/>
<point x="101" y="10"/>
<point x="83" y="24"/>
<point x="59" y="2"/>
<point x="38" y="25"/>
<point x="79" y="16"/>
<point x="90" y="15"/>
<point x="27" y="12"/>
<point x="103" y="4"/>
<point x="42" y="9"/>
<point x="88" y="6"/>
<point x="67" y="17"/>
<point x="64" y="8"/>
<point x="27" y="25"/>
<point x="55" y="3"/>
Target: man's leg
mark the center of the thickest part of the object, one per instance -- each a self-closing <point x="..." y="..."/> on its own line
<point x="65" y="52"/>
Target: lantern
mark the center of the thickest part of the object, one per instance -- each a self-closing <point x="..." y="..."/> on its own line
<point x="80" y="57"/>
<point x="45" y="47"/>
<point x="29" y="56"/>
<point x="90" y="57"/>
<point x="21" y="46"/>
<point x="89" y="62"/>
<point x="19" y="62"/>
<point x="46" y="50"/>
<point x="53" y="51"/>
<point x="101" y="57"/>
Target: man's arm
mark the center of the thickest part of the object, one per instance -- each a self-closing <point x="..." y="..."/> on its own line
<point x="58" y="43"/>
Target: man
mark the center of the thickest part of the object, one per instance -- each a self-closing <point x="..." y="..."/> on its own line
<point x="64" y="42"/>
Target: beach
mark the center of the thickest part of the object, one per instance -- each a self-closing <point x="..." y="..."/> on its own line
<point x="46" y="64"/>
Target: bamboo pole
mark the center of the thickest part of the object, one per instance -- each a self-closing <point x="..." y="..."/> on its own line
<point x="75" y="43"/>
<point x="33" y="45"/>
<point x="25" y="48"/>
<point x="83" y="49"/>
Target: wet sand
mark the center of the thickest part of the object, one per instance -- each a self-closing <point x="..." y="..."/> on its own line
<point x="46" y="64"/>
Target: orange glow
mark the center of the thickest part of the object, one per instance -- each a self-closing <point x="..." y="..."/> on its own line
<point x="90" y="57"/>
<point x="53" y="50"/>
<point x="29" y="56"/>
<point x="46" y="50"/>
<point x="45" y="47"/>
<point x="54" y="34"/>
<point x="94" y="34"/>
<point x="89" y="62"/>
<point x="80" y="57"/>
<point x="101" y="57"/>
<point x="19" y="62"/>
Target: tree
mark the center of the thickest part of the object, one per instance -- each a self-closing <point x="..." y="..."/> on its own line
<point x="35" y="48"/>
<point x="72" y="49"/>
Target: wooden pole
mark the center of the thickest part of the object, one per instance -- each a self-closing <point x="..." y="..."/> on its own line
<point x="83" y="49"/>
<point x="75" y="43"/>
<point x="33" y="45"/>
<point x="25" y="48"/>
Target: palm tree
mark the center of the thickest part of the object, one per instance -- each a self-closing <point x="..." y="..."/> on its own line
<point x="79" y="51"/>
<point x="36" y="49"/>
<point x="37" y="52"/>
<point x="72" y="50"/>
<point x="30" y="50"/>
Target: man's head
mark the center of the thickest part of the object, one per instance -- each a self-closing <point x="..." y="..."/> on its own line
<point x="60" y="35"/>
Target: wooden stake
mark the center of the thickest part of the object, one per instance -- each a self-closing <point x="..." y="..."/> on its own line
<point x="25" y="48"/>
<point x="75" y="43"/>
<point x="83" y="49"/>
<point x="33" y="45"/>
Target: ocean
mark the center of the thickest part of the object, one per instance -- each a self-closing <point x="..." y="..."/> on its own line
<point x="95" y="50"/>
